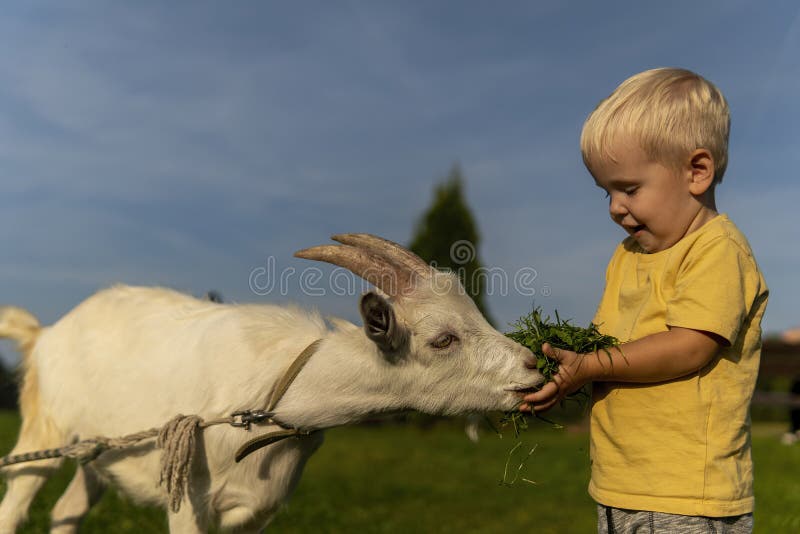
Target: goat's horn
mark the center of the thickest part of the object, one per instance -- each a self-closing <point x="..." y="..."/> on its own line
<point x="389" y="249"/>
<point x="375" y="269"/>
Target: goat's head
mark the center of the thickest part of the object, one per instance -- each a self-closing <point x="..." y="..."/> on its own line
<point x="438" y="351"/>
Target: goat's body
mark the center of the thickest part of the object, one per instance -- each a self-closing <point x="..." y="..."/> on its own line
<point x="127" y="345"/>
<point x="117" y="365"/>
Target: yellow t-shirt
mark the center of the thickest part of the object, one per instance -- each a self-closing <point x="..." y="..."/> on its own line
<point x="681" y="446"/>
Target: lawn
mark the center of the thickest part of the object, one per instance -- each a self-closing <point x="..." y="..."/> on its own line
<point x="394" y="478"/>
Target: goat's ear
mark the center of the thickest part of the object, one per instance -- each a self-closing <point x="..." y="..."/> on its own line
<point x="380" y="323"/>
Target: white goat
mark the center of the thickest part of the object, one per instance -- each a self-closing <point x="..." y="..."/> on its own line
<point x="130" y="358"/>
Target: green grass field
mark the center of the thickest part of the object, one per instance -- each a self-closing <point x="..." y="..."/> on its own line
<point x="394" y="478"/>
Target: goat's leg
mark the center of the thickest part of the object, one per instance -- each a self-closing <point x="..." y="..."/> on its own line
<point x="82" y="493"/>
<point x="25" y="479"/>
<point x="22" y="484"/>
<point x="187" y="520"/>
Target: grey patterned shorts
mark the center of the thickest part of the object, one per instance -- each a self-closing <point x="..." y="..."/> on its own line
<point x="618" y="521"/>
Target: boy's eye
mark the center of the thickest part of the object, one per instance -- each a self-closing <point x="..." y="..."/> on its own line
<point x="631" y="190"/>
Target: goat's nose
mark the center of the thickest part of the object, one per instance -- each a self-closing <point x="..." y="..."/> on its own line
<point x="528" y="358"/>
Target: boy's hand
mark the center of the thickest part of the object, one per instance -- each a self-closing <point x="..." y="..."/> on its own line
<point x="571" y="376"/>
<point x="647" y="360"/>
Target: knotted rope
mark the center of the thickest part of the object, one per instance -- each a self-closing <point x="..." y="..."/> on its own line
<point x="176" y="438"/>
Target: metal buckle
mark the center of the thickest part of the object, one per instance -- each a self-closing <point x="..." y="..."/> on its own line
<point x="249" y="417"/>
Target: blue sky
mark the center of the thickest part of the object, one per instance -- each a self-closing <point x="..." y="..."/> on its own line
<point x="190" y="143"/>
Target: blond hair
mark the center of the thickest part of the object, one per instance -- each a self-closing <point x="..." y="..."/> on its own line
<point x="669" y="112"/>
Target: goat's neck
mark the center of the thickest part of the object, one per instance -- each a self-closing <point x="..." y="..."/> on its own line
<point x="345" y="381"/>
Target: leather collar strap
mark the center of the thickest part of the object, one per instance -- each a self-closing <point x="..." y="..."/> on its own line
<point x="278" y="391"/>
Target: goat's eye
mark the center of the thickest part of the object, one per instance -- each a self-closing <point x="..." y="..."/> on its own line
<point x="443" y="341"/>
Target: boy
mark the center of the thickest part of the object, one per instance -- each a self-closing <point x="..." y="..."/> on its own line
<point x="670" y="425"/>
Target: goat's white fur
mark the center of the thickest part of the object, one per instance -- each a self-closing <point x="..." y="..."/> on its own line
<point x="130" y="358"/>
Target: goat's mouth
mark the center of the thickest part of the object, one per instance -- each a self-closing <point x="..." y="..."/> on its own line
<point x="526" y="388"/>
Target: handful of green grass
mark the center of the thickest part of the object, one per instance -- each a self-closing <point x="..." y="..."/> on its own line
<point x="534" y="330"/>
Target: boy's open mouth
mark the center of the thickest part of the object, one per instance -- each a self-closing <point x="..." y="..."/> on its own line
<point x="637" y="229"/>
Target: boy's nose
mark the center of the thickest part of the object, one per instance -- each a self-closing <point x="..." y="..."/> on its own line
<point x="616" y="208"/>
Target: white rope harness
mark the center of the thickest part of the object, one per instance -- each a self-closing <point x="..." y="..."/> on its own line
<point x="177" y="437"/>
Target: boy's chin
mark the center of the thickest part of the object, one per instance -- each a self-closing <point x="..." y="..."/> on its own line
<point x="651" y="246"/>
<point x="647" y="243"/>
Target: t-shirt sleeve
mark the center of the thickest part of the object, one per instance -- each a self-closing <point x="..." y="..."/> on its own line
<point x="713" y="289"/>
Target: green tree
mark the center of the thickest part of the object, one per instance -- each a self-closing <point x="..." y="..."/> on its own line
<point x="447" y="236"/>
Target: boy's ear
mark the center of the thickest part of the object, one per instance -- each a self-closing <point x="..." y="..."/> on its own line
<point x="701" y="166"/>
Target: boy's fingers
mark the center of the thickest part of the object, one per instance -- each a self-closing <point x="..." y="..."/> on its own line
<point x="551" y="352"/>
